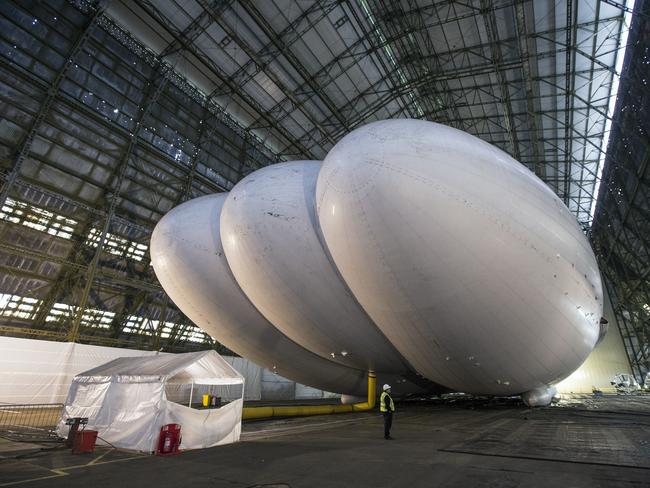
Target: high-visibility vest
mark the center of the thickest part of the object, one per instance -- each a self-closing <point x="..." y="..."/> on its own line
<point x="382" y="402"/>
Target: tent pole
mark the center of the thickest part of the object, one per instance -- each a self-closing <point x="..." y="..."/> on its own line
<point x="191" y="392"/>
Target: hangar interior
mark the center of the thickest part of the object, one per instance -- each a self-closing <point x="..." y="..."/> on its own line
<point x="114" y="112"/>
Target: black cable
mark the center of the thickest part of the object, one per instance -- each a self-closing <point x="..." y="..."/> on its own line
<point x="33" y="453"/>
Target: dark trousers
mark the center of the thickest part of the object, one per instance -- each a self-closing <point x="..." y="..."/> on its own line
<point x="388" y="421"/>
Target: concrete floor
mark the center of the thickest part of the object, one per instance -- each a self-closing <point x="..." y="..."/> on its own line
<point x="584" y="442"/>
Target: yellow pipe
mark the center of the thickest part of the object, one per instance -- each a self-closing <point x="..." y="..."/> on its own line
<point x="266" y="412"/>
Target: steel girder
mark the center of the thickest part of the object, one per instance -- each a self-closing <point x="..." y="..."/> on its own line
<point x="621" y="229"/>
<point x="24" y="148"/>
<point x="119" y="281"/>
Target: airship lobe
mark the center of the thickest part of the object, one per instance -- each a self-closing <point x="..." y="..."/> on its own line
<point x="465" y="260"/>
<point x="270" y="237"/>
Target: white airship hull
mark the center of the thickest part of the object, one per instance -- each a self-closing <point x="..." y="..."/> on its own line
<point x="430" y="253"/>
<point x="270" y="237"/>
<point x="468" y="263"/>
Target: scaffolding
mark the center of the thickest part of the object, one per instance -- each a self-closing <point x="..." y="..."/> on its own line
<point x="621" y="230"/>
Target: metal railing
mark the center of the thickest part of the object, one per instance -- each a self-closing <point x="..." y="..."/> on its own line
<point x="29" y="422"/>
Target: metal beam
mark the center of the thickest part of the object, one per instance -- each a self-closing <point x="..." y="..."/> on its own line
<point x="219" y="73"/>
<point x="282" y="48"/>
<point x="263" y="66"/>
<point x="112" y="276"/>
<point x="156" y="85"/>
<point x="25" y="146"/>
<point x="532" y="94"/>
<point x="166" y="161"/>
<point x="497" y="59"/>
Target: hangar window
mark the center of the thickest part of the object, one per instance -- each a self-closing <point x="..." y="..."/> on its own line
<point x="37" y="218"/>
<point x="118" y="246"/>
<point x="133" y="324"/>
<point x="194" y="334"/>
<point x="93" y="317"/>
<point x="146" y="326"/>
<point x="17" y="307"/>
<point x="141" y="325"/>
<point x="62" y="312"/>
<point x="138" y="325"/>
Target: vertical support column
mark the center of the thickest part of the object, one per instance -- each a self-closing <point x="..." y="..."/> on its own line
<point x="497" y="59"/>
<point x="568" y="96"/>
<point x="160" y="73"/>
<point x="531" y="90"/>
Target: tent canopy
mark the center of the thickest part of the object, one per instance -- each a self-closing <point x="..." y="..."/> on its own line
<point x="203" y="367"/>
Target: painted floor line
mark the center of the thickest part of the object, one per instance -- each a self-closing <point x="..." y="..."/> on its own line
<point x="89" y="465"/>
<point x="96" y="460"/>
<point x="251" y="436"/>
<point x="58" y="474"/>
<point x="62" y="471"/>
<point x="298" y="428"/>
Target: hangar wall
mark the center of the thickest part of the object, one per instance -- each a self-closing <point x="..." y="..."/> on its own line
<point x="36" y="371"/>
<point x="606" y="360"/>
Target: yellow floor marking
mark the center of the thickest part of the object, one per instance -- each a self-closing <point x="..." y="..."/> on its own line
<point x="59" y="472"/>
<point x="104" y="462"/>
<point x="290" y="429"/>
<point x="297" y="429"/>
<point x="99" y="457"/>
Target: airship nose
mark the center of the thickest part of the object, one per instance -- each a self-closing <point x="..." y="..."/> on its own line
<point x="161" y="241"/>
<point x="185" y="241"/>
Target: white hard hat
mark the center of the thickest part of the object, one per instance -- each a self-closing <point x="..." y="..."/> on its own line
<point x="386" y="387"/>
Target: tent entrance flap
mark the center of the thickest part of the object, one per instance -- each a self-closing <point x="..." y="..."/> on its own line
<point x="191" y="394"/>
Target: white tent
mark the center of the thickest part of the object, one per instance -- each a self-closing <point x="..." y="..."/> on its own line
<point x="125" y="400"/>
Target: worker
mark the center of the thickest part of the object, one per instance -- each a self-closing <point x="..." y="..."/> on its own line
<point x="387" y="407"/>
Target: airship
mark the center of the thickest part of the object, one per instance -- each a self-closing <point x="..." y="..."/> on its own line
<point x="414" y="250"/>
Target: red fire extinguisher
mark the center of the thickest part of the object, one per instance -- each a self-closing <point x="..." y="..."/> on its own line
<point x="170" y="440"/>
